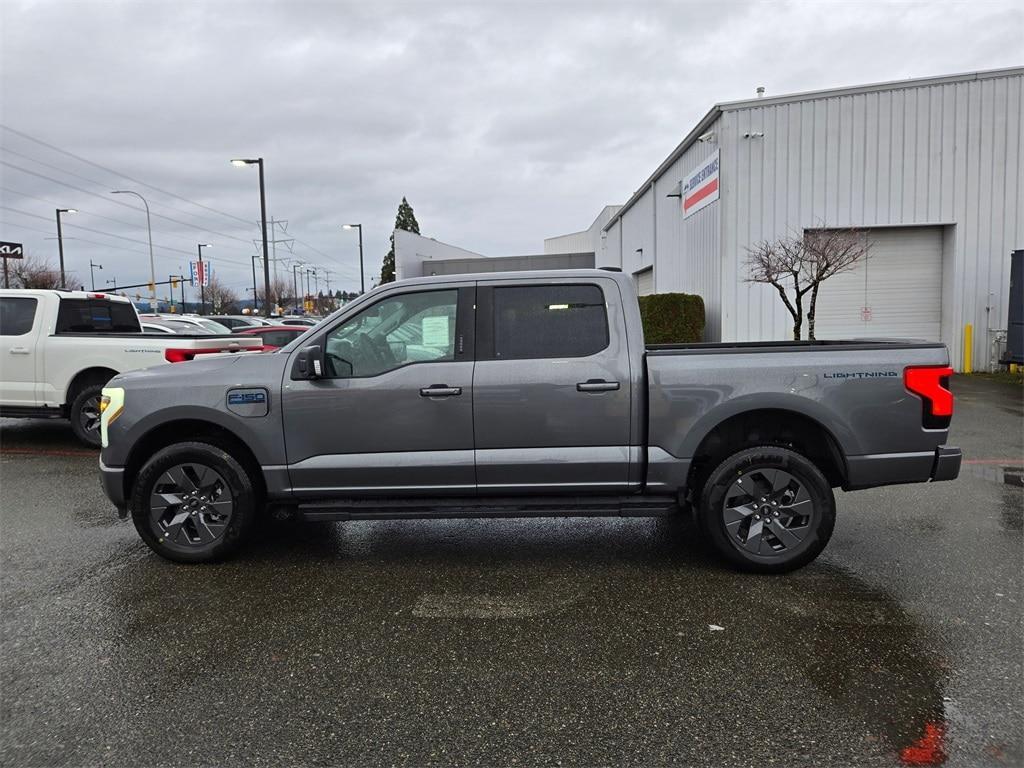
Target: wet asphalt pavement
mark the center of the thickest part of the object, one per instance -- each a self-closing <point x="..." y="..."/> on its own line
<point x="571" y="642"/>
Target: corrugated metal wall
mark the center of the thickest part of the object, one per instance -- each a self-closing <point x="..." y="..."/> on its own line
<point x="945" y="152"/>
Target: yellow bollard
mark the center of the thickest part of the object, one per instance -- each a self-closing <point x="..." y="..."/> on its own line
<point x="968" y="348"/>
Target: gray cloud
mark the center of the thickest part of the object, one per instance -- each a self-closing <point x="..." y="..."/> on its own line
<point x="503" y="123"/>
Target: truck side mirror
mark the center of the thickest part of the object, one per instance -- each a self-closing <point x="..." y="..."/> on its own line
<point x="310" y="362"/>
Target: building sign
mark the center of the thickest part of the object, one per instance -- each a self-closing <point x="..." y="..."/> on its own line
<point x="700" y="188"/>
<point x="12" y="250"/>
<point x="200" y="273"/>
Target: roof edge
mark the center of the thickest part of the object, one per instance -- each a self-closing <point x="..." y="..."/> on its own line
<point x="729" y="106"/>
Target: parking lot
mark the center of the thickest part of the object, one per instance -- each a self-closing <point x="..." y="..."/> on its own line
<point x="570" y="642"/>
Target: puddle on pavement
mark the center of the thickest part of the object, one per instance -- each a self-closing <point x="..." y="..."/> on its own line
<point x="821" y="630"/>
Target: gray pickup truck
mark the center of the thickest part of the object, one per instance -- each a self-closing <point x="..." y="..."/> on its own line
<point x="527" y="394"/>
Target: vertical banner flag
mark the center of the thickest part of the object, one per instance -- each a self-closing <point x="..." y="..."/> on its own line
<point x="199" y="273"/>
<point x="700" y="188"/>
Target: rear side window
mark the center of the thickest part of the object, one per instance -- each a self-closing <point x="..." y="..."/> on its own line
<point x="538" y="321"/>
<point x="277" y="338"/>
<point x="17" y="315"/>
<point x="96" y="316"/>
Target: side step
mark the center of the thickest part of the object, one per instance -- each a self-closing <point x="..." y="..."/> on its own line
<point x="503" y="506"/>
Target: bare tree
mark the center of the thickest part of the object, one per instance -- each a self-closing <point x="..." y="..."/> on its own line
<point x="280" y="292"/>
<point x="221" y="298"/>
<point x="798" y="264"/>
<point x="34" y="272"/>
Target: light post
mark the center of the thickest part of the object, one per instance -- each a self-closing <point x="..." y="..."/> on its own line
<point x="149" y="229"/>
<point x="92" y="278"/>
<point x="308" y="273"/>
<point x="114" y="281"/>
<point x="60" y="243"/>
<point x="255" y="298"/>
<point x="295" y="283"/>
<point x="362" y="279"/>
<point x="263" y="223"/>
<point x="201" y="274"/>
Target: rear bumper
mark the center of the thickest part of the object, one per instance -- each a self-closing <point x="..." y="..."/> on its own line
<point x="112" y="480"/>
<point x="873" y="470"/>
<point x="947" y="463"/>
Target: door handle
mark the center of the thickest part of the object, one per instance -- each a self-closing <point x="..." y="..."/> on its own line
<point x="19" y="350"/>
<point x="440" y="390"/>
<point x="597" y="385"/>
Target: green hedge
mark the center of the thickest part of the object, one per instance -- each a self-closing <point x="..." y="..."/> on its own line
<point x="672" y="318"/>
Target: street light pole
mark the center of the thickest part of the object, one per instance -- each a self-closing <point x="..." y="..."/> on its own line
<point x="255" y="298"/>
<point x="362" y="278"/>
<point x="92" y="277"/>
<point x="201" y="274"/>
<point x="149" y="229"/>
<point x="263" y="223"/>
<point x="295" y="282"/>
<point x="60" y="243"/>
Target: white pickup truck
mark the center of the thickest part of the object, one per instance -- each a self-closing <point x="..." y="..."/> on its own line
<point x="58" y="349"/>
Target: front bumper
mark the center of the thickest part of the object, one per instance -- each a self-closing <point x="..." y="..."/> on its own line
<point x="112" y="480"/>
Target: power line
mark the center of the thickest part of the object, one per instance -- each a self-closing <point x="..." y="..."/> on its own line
<point x="118" y="202"/>
<point x="121" y="175"/>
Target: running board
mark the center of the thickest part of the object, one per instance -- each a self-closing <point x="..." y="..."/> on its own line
<point x="504" y="506"/>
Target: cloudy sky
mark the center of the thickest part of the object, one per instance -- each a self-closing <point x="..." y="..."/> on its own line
<point x="502" y="122"/>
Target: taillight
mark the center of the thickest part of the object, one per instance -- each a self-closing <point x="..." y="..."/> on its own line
<point x="178" y="355"/>
<point x="931" y="384"/>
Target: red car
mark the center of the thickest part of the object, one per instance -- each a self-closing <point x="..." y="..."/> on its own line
<point x="275" y="336"/>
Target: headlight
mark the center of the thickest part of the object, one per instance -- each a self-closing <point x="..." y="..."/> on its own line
<point x="111" y="405"/>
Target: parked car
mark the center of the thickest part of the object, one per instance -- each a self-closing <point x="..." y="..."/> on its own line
<point x="306" y="321"/>
<point x="58" y="349"/>
<point x="240" y="322"/>
<point x="275" y="336"/>
<point x="155" y="327"/>
<point x="524" y="394"/>
<point x="199" y="324"/>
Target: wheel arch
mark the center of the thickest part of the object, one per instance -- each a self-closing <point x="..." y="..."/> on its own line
<point x="197" y="430"/>
<point x="783" y="427"/>
<point x="97" y="374"/>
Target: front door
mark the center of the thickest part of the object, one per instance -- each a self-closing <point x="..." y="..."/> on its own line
<point x="19" y="330"/>
<point x="393" y="412"/>
<point x="552" y="387"/>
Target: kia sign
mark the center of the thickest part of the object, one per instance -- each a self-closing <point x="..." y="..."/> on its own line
<point x="12" y="250"/>
<point x="700" y="188"/>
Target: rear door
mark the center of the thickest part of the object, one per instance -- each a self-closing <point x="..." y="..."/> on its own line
<point x="20" y="323"/>
<point x="552" y="387"/>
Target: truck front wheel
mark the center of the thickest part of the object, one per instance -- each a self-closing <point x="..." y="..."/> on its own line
<point x="768" y="510"/>
<point x="193" y="503"/>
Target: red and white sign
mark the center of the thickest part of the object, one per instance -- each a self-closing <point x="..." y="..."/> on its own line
<point x="200" y="273"/>
<point x="700" y="188"/>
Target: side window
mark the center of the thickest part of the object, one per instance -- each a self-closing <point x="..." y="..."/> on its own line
<point x="96" y="316"/>
<point x="17" y="315"/>
<point x="538" y="321"/>
<point x="397" y="331"/>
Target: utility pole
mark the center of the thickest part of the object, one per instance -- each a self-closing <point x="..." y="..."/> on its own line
<point x="92" y="277"/>
<point x="255" y="298"/>
<point x="295" y="282"/>
<point x="287" y="242"/>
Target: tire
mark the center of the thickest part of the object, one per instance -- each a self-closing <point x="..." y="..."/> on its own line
<point x="783" y="488"/>
<point x="85" y="414"/>
<point x="212" y="503"/>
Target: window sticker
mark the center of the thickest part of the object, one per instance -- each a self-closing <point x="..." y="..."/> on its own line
<point x="435" y="331"/>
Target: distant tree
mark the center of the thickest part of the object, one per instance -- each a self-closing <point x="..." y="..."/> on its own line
<point x="281" y="291"/>
<point x="801" y="262"/>
<point x="34" y="272"/>
<point x="222" y="299"/>
<point x="406" y="220"/>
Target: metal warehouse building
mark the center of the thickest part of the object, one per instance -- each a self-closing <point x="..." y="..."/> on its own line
<point x="932" y="167"/>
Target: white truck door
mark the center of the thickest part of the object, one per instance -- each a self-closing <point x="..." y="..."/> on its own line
<point x="20" y="323"/>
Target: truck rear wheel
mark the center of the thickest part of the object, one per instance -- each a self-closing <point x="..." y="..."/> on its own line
<point x="85" y="414"/>
<point x="768" y="510"/>
<point x="193" y="503"/>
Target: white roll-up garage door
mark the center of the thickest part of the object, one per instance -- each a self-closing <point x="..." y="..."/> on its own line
<point x="645" y="282"/>
<point x="897" y="292"/>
